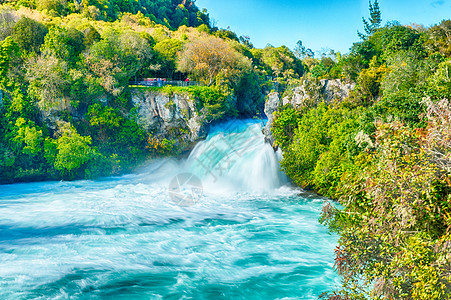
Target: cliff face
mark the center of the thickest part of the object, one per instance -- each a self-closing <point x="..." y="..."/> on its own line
<point x="308" y="94"/>
<point x="174" y="116"/>
<point x="271" y="105"/>
<point x="170" y="116"/>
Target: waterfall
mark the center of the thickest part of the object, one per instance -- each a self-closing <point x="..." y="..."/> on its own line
<point x="235" y="156"/>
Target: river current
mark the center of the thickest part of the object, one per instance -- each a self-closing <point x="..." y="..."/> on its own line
<point x="223" y="223"/>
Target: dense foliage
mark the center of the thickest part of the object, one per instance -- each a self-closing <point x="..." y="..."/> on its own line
<point x="66" y="109"/>
<point x="171" y="13"/>
<point x="384" y="152"/>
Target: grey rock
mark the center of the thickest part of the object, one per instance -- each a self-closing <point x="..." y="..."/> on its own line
<point x="272" y="104"/>
<point x="336" y="89"/>
<point x="298" y="98"/>
<point x="169" y="116"/>
<point x="311" y="92"/>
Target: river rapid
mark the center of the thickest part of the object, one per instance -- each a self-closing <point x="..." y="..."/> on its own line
<point x="223" y="223"/>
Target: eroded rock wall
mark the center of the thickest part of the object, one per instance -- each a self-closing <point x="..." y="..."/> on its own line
<point x="169" y="116"/>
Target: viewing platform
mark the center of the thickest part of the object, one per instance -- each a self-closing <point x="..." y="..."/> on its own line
<point x="160" y="82"/>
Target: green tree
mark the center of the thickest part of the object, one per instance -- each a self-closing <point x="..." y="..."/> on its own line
<point x="226" y="34"/>
<point x="53" y="7"/>
<point x="104" y="118"/>
<point x="167" y="51"/>
<point x="28" y="137"/>
<point x="208" y="57"/>
<point x="369" y="82"/>
<point x="8" y="49"/>
<point x="439" y="83"/>
<point x="439" y="38"/>
<point x="300" y="51"/>
<point x="248" y="94"/>
<point x="48" y="81"/>
<point x="91" y="35"/>
<point x="117" y="58"/>
<point x="285" y="122"/>
<point x="374" y="21"/>
<point x="403" y="88"/>
<point x="395" y="37"/>
<point x="70" y="152"/>
<point x="66" y="44"/>
<point x="318" y="149"/>
<point x="281" y="62"/>
<point x="29" y="34"/>
<point x="394" y="225"/>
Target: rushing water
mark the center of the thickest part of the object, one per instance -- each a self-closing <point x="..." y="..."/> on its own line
<point x="221" y="224"/>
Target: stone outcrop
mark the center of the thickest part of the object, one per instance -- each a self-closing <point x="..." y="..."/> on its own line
<point x="272" y="103"/>
<point x="169" y="116"/>
<point x="308" y="94"/>
<point x="336" y="89"/>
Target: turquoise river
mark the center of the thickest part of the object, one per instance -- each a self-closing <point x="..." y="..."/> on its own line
<point x="222" y="223"/>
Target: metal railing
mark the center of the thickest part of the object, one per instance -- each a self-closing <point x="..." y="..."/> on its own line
<point x="161" y="83"/>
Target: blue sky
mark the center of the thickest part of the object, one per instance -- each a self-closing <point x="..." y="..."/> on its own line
<point x="328" y="24"/>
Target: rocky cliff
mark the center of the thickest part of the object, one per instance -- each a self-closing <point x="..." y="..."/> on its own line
<point x="308" y="94"/>
<point x="172" y="116"/>
<point x="272" y="104"/>
<point x="311" y="92"/>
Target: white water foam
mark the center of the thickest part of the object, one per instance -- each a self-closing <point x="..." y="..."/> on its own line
<point x="250" y="236"/>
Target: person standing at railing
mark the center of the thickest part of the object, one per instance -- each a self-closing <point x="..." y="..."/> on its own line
<point x="187" y="81"/>
<point x="159" y="82"/>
